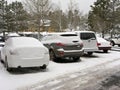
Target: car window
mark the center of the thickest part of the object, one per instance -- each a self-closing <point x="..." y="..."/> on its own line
<point x="68" y="35"/>
<point x="118" y="36"/>
<point x="86" y="36"/>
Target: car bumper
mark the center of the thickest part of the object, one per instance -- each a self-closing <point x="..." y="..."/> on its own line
<point x="15" y="62"/>
<point x="90" y="50"/>
<point x="104" y="48"/>
<point x="70" y="53"/>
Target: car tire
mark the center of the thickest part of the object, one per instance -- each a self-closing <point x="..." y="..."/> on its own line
<point x="76" y="59"/>
<point x="52" y="55"/>
<point x="89" y="53"/>
<point x="118" y="45"/>
<point x="105" y="51"/>
<point x="6" y="64"/>
<point x="43" y="67"/>
<point x="112" y="43"/>
<point x="1" y="59"/>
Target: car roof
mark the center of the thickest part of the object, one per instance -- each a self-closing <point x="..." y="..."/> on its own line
<point x="24" y="41"/>
<point x="59" y="33"/>
<point x="85" y="31"/>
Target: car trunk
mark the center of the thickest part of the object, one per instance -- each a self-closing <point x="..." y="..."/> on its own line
<point x="31" y="52"/>
<point x="71" y="42"/>
<point x="89" y="40"/>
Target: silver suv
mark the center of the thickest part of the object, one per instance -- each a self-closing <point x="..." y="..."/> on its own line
<point x="62" y="45"/>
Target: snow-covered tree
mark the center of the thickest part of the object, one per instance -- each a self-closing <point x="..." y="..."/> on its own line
<point x="103" y="16"/>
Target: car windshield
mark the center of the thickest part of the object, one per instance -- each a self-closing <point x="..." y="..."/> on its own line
<point x="85" y="36"/>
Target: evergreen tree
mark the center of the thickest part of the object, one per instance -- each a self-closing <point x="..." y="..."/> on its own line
<point x="16" y="17"/>
<point x="104" y="15"/>
<point x="3" y="5"/>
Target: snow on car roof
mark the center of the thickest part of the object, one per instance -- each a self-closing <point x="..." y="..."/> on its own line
<point x="59" y="33"/>
<point x="25" y="41"/>
<point x="86" y="31"/>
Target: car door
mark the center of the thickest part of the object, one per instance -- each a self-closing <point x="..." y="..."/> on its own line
<point x="89" y="41"/>
<point x="4" y="50"/>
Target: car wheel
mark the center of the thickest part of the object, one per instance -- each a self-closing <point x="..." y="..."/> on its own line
<point x="112" y="43"/>
<point x="52" y="56"/>
<point x="89" y="53"/>
<point x="43" y="67"/>
<point x="1" y="58"/>
<point x="118" y="45"/>
<point x="76" y="59"/>
<point x="6" y="65"/>
<point x="105" y="51"/>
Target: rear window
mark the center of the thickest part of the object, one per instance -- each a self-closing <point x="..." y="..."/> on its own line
<point x="86" y="36"/>
<point x="68" y="35"/>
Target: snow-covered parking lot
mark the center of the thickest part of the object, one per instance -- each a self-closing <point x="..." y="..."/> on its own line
<point x="28" y="77"/>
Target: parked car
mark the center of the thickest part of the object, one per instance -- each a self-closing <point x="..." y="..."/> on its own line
<point x="21" y="52"/>
<point x="89" y="41"/>
<point x="115" y="41"/>
<point x="31" y="34"/>
<point x="103" y="44"/>
<point x="62" y="45"/>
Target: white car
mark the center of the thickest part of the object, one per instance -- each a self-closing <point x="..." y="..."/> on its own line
<point x="89" y="41"/>
<point x="103" y="44"/>
<point x="21" y="52"/>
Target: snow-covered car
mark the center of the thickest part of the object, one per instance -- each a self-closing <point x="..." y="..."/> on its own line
<point x="89" y="41"/>
<point x="103" y="44"/>
<point x="62" y="45"/>
<point x="20" y="52"/>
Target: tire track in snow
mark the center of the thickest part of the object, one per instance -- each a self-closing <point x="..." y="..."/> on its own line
<point x="75" y="80"/>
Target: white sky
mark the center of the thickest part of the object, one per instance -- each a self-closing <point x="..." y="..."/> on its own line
<point x="84" y="5"/>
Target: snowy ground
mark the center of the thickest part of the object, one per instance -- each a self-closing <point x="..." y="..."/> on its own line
<point x="30" y="77"/>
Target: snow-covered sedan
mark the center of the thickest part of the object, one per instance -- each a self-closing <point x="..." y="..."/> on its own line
<point x="103" y="44"/>
<point x="21" y="52"/>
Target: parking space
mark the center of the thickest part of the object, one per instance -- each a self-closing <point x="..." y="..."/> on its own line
<point x="32" y="76"/>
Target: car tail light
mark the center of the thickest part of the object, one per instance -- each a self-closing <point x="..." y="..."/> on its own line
<point x="60" y="44"/>
<point x="61" y="53"/>
<point x="98" y="44"/>
<point x="81" y="44"/>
